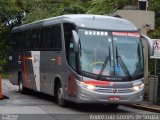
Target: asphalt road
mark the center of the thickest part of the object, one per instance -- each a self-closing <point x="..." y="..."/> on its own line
<point x="38" y="106"/>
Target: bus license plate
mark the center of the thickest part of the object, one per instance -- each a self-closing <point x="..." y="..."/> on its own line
<point x="114" y="98"/>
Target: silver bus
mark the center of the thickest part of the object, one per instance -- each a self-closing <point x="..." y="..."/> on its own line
<point x="80" y="58"/>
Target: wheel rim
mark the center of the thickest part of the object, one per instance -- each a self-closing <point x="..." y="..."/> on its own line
<point x="20" y="86"/>
<point x="60" y="94"/>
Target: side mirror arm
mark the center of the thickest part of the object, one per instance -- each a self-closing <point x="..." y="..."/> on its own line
<point x="150" y="44"/>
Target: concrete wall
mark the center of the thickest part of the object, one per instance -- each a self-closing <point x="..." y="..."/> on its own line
<point x="144" y="20"/>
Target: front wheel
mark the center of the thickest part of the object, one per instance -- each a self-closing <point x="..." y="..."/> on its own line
<point x="60" y="100"/>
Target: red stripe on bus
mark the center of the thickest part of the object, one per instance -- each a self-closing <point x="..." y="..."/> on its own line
<point x="97" y="83"/>
<point x="25" y="72"/>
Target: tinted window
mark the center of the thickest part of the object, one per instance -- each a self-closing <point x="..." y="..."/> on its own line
<point x="43" y="43"/>
<point x="36" y="39"/>
<point x="28" y="43"/>
<point x="13" y="41"/>
<point x="47" y="38"/>
<point x="56" y="37"/>
<point x="19" y="40"/>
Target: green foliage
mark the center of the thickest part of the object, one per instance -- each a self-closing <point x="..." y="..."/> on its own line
<point x="37" y="9"/>
<point x="49" y="8"/>
<point x="4" y="37"/>
<point x="151" y="65"/>
<point x="8" y="9"/>
<point x="74" y="7"/>
<point x="105" y="6"/>
<point x="154" y="5"/>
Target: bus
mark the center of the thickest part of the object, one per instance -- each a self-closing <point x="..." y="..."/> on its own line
<point x="81" y="58"/>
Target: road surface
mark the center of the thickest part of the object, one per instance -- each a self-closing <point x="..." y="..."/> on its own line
<point x="38" y="106"/>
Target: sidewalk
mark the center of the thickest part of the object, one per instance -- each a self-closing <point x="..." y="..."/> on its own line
<point x="144" y="105"/>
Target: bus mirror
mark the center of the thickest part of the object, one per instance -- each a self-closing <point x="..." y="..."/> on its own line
<point x="150" y="44"/>
<point x="75" y="40"/>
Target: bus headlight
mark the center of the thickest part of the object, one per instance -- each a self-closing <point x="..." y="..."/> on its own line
<point x="90" y="87"/>
<point x="87" y="86"/>
<point x="138" y="87"/>
<point x="92" y="84"/>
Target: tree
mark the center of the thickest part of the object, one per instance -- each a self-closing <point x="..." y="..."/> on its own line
<point x="105" y="6"/>
<point x="40" y="9"/>
<point x="154" y="5"/>
<point x="8" y="9"/>
<point x="4" y="37"/>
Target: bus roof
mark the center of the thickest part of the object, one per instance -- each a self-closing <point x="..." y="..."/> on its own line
<point x="84" y="21"/>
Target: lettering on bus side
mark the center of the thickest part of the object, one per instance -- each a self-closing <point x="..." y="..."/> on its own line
<point x="36" y="58"/>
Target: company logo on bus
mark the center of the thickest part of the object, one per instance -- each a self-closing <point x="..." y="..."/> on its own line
<point x="114" y="90"/>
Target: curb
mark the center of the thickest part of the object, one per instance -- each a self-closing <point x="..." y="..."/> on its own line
<point x="147" y="108"/>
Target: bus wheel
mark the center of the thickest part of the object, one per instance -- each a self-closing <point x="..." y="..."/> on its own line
<point x="60" y="100"/>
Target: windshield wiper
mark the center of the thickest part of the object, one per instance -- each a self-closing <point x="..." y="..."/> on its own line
<point x="104" y="64"/>
<point x="123" y="65"/>
<point x="80" y="48"/>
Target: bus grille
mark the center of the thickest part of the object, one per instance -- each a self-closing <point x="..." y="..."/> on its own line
<point x="110" y="90"/>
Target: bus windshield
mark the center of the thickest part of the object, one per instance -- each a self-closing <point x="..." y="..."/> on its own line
<point x="112" y="54"/>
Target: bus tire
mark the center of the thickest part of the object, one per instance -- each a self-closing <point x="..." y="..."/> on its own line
<point x="60" y="100"/>
<point x="20" y="85"/>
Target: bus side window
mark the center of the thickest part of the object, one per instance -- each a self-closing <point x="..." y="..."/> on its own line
<point x="16" y="40"/>
<point x="28" y="40"/>
<point x="41" y="38"/>
<point x="51" y="37"/>
<point x="54" y="38"/>
<point x="20" y="40"/>
<point x="46" y="41"/>
<point x="35" y="40"/>
<point x="57" y="37"/>
<point x="49" y="43"/>
<point x="13" y="41"/>
<point x="69" y="47"/>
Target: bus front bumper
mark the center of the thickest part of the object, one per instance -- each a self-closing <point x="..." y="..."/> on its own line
<point x="88" y="96"/>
